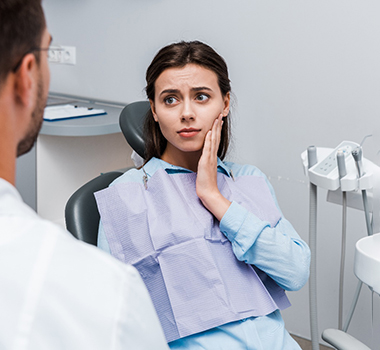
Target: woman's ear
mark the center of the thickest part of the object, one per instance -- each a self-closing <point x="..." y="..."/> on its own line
<point x="153" y="110"/>
<point x="226" y="108"/>
<point x="26" y="80"/>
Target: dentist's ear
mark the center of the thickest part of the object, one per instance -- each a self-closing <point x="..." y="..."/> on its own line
<point x="24" y="82"/>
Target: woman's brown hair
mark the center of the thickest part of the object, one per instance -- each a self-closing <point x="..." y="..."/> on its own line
<point x="179" y="55"/>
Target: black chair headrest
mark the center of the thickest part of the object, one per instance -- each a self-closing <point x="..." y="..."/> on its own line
<point x="131" y="122"/>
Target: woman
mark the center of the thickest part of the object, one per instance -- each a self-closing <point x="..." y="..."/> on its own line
<point x="207" y="236"/>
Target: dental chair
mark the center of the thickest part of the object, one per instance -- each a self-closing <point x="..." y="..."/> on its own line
<point x="81" y="212"/>
<point x="131" y="124"/>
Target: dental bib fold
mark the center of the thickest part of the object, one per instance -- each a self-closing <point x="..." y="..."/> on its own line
<point x="188" y="265"/>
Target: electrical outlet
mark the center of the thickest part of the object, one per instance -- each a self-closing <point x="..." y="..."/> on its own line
<point x="68" y="55"/>
<point x="62" y="54"/>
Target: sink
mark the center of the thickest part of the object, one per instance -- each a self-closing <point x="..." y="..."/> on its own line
<point x="367" y="261"/>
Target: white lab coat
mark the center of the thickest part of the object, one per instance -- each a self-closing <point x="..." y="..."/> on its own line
<point x="59" y="293"/>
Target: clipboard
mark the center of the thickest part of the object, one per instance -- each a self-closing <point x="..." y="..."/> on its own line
<point x="63" y="112"/>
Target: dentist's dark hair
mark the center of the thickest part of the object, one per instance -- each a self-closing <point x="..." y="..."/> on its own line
<point x="178" y="55"/>
<point x="22" y="23"/>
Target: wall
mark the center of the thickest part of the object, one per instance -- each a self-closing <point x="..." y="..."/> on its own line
<point x="303" y="72"/>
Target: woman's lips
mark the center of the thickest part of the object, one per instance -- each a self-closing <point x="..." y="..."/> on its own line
<point x="188" y="132"/>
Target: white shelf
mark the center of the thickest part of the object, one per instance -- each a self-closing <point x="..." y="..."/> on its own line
<point x="88" y="126"/>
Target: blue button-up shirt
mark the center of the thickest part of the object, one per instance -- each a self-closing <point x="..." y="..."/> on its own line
<point x="278" y="251"/>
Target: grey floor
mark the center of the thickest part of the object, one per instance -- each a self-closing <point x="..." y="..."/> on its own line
<point x="306" y="344"/>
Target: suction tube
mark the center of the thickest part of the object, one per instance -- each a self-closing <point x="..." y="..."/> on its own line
<point x="312" y="160"/>
<point x="353" y="306"/>
<point x="342" y="173"/>
<point x="357" y="154"/>
<point x="342" y="260"/>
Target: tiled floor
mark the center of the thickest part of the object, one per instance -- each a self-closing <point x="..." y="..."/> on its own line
<point x="306" y="344"/>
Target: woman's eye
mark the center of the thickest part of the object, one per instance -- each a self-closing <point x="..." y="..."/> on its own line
<point x="170" y="100"/>
<point x="202" y="97"/>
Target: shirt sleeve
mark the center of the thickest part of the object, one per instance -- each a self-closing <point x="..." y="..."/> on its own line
<point x="278" y="250"/>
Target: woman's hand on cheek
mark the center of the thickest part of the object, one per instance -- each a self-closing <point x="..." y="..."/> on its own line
<point x="206" y="184"/>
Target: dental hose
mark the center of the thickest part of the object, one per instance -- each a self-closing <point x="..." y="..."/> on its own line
<point x="366" y="212"/>
<point x="342" y="173"/>
<point x="342" y="260"/>
<point x="312" y="160"/>
<point x="357" y="155"/>
<point x="353" y="306"/>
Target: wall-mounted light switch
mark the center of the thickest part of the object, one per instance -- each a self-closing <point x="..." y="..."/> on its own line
<point x="55" y="54"/>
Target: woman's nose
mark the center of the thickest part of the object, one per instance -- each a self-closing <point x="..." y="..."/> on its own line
<point x="187" y="111"/>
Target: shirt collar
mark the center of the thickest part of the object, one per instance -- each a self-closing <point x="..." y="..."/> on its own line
<point x="11" y="202"/>
<point x="224" y="168"/>
<point x="6" y="188"/>
<point x="155" y="164"/>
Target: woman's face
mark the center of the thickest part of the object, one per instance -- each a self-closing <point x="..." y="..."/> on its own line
<point x="187" y="101"/>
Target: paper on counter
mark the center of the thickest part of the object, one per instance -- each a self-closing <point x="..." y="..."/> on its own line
<point x="61" y="112"/>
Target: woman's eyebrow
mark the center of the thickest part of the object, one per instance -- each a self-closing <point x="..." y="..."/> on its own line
<point x="176" y="91"/>
<point x="169" y="91"/>
<point x="201" y="88"/>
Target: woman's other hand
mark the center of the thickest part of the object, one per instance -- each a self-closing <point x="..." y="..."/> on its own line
<point x="206" y="184"/>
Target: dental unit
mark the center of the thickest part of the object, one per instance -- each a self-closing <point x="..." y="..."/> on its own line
<point x="349" y="178"/>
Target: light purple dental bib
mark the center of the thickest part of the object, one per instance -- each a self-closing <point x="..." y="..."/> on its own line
<point x="193" y="277"/>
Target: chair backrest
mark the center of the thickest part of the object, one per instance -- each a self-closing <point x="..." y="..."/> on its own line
<point x="131" y="124"/>
<point x="81" y="212"/>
